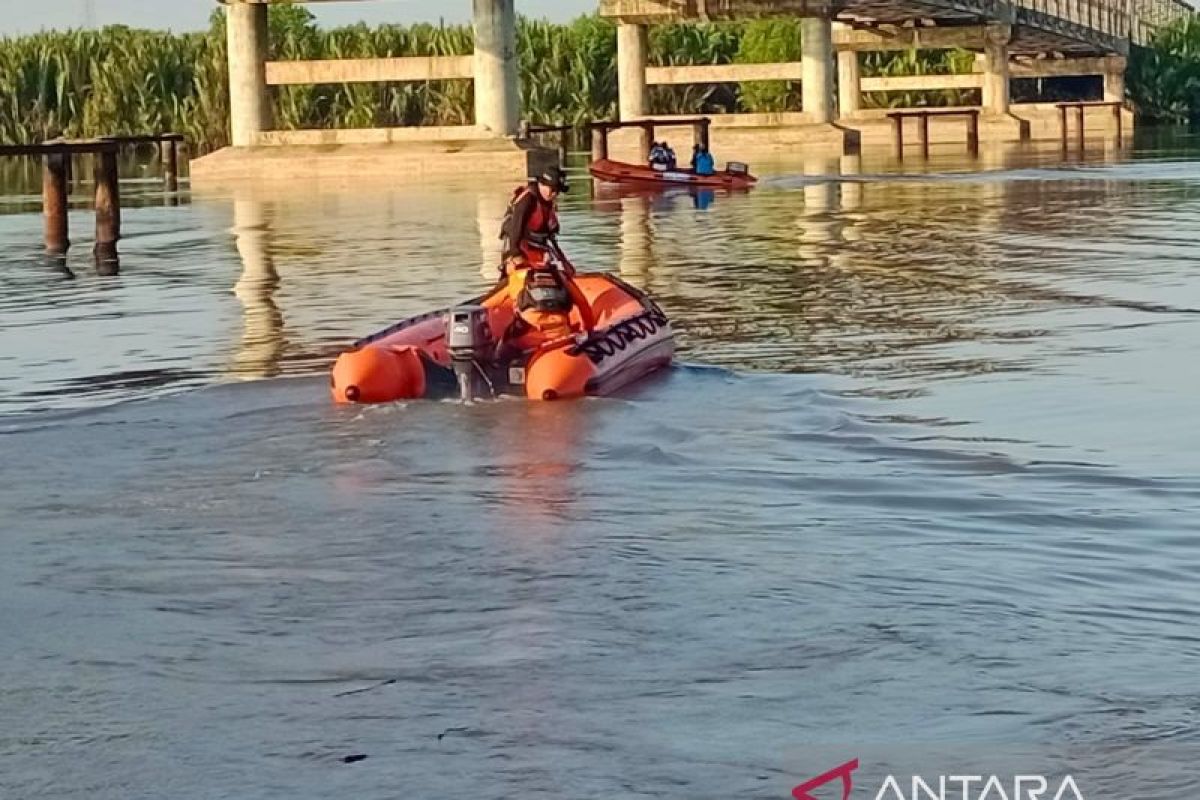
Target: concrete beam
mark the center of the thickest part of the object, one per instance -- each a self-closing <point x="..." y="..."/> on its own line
<point x="1064" y="67"/>
<point x="917" y="83"/>
<point x="724" y="73"/>
<point x="418" y="135"/>
<point x="846" y="38"/>
<point x="652" y="11"/>
<point x="370" y="70"/>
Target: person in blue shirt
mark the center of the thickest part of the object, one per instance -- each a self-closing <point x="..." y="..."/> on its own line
<point x="702" y="161"/>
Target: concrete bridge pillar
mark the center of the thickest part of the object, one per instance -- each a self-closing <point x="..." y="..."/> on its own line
<point x="995" y="69"/>
<point x="816" y="58"/>
<point x="631" y="70"/>
<point x="249" y="104"/>
<point x="497" y="88"/>
<point x="849" y="79"/>
<point x="1114" y="79"/>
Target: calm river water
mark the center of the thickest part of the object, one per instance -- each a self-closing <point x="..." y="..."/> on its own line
<point x="924" y="482"/>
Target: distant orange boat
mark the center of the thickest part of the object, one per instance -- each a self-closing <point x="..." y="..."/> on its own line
<point x="735" y="175"/>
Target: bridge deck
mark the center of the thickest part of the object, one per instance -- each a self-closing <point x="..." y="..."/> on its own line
<point x="1075" y="27"/>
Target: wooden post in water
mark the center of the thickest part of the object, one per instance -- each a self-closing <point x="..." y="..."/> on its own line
<point x="1079" y="121"/>
<point x="973" y="133"/>
<point x="1120" y="125"/>
<point x="702" y="133"/>
<point x="599" y="143"/>
<point x="1062" y="126"/>
<point x="108" y="205"/>
<point x="169" y="149"/>
<point x="925" y="136"/>
<point x="898" y="135"/>
<point x="54" y="201"/>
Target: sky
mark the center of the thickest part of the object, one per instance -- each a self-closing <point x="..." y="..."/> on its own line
<point x="22" y="16"/>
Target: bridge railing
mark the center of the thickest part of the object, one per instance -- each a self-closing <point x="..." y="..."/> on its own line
<point x="1136" y="20"/>
<point x="1105" y="17"/>
<point x="1155" y="14"/>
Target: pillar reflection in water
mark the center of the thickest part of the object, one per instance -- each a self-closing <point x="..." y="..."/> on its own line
<point x="258" y="354"/>
<point x="820" y="221"/>
<point x="491" y="207"/>
<point x="993" y="185"/>
<point x="637" y="237"/>
<point x="852" y="190"/>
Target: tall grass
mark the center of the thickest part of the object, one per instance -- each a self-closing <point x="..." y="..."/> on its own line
<point x="897" y="63"/>
<point x="122" y="81"/>
<point x="116" y="81"/>
<point x="1163" y="80"/>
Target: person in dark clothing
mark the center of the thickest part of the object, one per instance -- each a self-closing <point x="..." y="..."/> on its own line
<point x="538" y="276"/>
<point x="532" y="221"/>
<point x="671" y="161"/>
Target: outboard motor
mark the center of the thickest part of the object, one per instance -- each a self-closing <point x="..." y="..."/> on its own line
<point x="469" y="339"/>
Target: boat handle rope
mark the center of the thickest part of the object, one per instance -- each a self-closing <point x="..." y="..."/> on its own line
<point x="613" y="340"/>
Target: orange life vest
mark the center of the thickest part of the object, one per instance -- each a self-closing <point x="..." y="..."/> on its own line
<point x="541" y="295"/>
<point x="543" y="220"/>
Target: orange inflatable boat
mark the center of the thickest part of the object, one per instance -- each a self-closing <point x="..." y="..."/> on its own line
<point x="454" y="351"/>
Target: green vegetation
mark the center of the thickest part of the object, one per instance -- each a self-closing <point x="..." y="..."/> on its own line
<point x="120" y="80"/>
<point x="112" y="81"/>
<point x="918" y="62"/>
<point x="1164" y="79"/>
<point x="766" y="41"/>
<point x="672" y="45"/>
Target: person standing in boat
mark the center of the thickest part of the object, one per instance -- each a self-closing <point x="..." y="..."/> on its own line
<point x="702" y="161"/>
<point x="537" y="274"/>
<point x="531" y="222"/>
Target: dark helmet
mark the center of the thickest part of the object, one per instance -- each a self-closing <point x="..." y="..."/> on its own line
<point x="555" y="178"/>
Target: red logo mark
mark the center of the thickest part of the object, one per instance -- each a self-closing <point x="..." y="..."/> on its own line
<point x="801" y="792"/>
